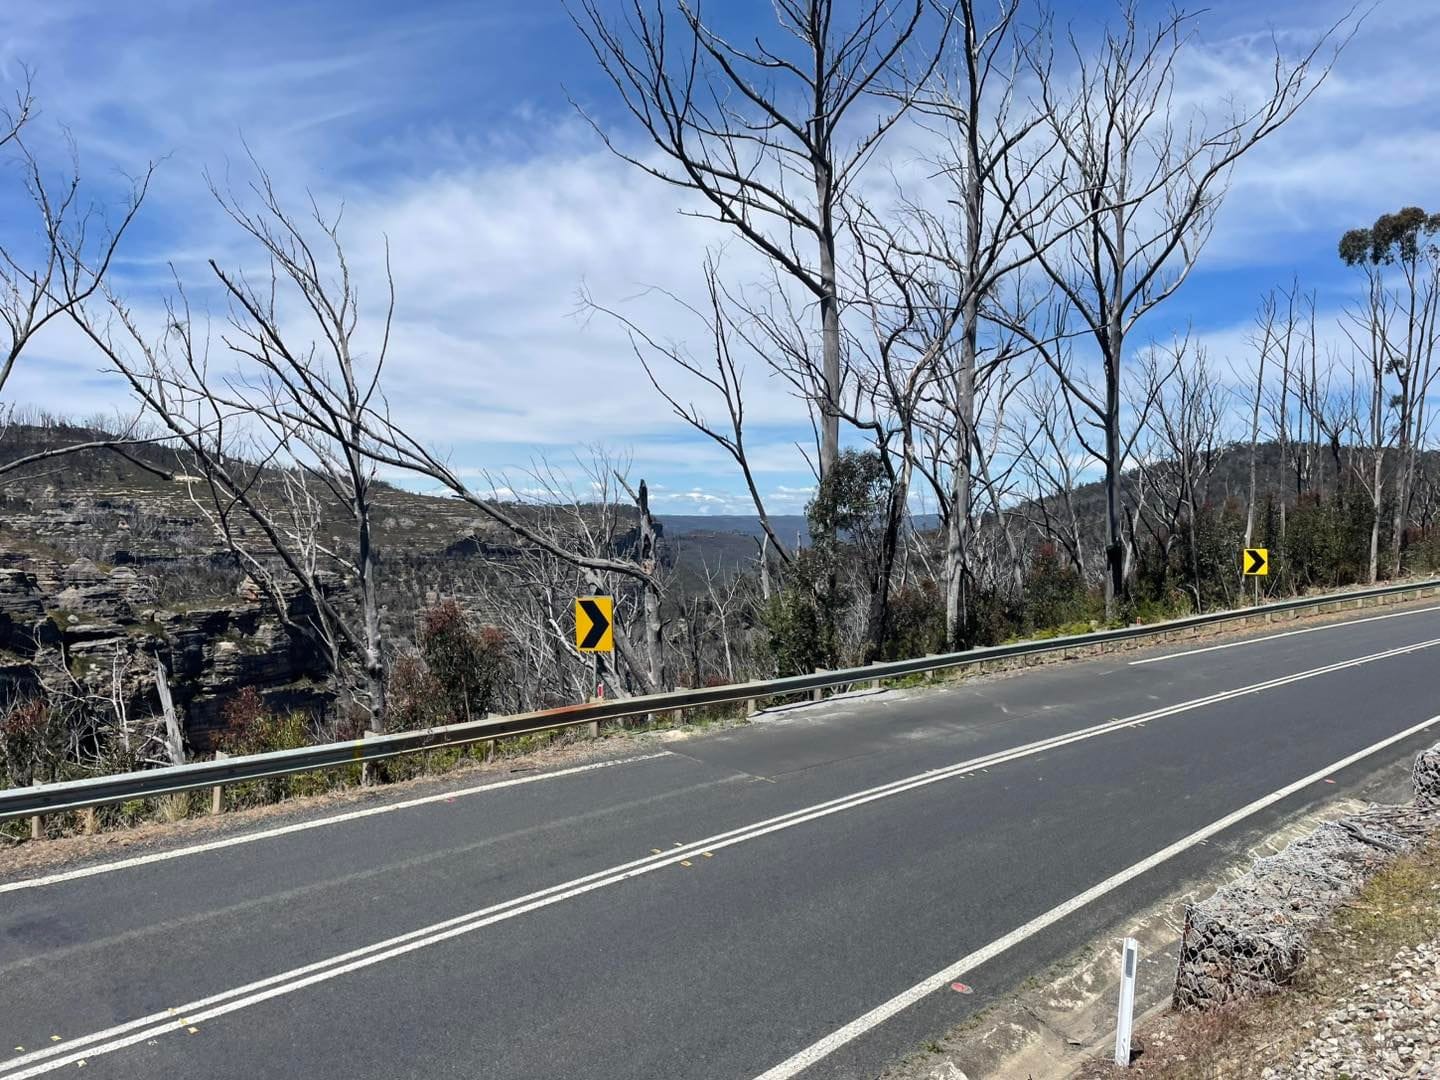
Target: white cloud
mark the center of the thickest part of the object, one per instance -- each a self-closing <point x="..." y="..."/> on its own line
<point x="491" y="237"/>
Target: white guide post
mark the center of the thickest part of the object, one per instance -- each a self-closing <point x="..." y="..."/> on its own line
<point x="1129" y="959"/>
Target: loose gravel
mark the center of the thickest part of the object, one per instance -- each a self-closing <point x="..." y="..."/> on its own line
<point x="1389" y="1027"/>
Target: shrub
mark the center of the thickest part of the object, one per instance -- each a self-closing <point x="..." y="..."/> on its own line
<point x="917" y="621"/>
<point x="414" y="699"/>
<point x="465" y="663"/>
<point x="251" y="728"/>
<point x="1055" y="594"/>
<point x="32" y="742"/>
<point x="796" y="640"/>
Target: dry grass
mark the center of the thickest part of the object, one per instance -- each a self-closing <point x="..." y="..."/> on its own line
<point x="1397" y="908"/>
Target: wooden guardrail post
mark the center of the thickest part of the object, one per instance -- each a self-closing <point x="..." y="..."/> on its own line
<point x="366" y="779"/>
<point x="88" y="823"/>
<point x="37" y="822"/>
<point x="217" y="793"/>
<point x="819" y="691"/>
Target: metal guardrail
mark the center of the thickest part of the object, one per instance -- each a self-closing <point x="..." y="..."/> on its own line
<point x="103" y="790"/>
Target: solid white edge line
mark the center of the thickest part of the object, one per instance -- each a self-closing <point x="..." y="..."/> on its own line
<point x="303" y="826"/>
<point x="797" y="1063"/>
<point x="1284" y="634"/>
<point x="298" y="978"/>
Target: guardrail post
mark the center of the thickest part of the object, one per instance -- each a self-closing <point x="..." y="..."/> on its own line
<point x="37" y="822"/>
<point x="874" y="683"/>
<point x="930" y="675"/>
<point x="217" y="793"/>
<point x="751" y="706"/>
<point x="365" y="778"/>
<point x="819" y="691"/>
<point x="87" y="821"/>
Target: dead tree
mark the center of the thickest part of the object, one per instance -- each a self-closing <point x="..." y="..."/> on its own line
<point x="529" y="591"/>
<point x="76" y="248"/>
<point x="1285" y="345"/>
<point x="994" y="178"/>
<point x="721" y="373"/>
<point x="556" y="521"/>
<point x="1043" y="443"/>
<point x="1370" y="326"/>
<point x="277" y="436"/>
<point x="769" y="135"/>
<point x="1144" y="185"/>
<point x="1186" y="428"/>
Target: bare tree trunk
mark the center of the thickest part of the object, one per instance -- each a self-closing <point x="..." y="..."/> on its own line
<point x="1255" y="434"/>
<point x="877" y="630"/>
<point x="1115" y="561"/>
<point x="654" y="628"/>
<point x="829" y="316"/>
<point x="957" y="532"/>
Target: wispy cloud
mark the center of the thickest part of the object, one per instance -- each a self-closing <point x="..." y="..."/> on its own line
<point x="495" y="224"/>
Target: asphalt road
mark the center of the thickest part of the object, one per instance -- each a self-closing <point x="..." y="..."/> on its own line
<point x="731" y="907"/>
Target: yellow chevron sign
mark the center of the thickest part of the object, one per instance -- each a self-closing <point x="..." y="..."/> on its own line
<point x="594" y="624"/>
<point x="1257" y="562"/>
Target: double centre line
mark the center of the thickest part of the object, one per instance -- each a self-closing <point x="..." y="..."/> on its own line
<point x="180" y="1017"/>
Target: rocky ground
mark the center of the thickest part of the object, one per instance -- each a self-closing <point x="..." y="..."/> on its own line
<point x="1389" y="1027"/>
<point x="1365" y="1004"/>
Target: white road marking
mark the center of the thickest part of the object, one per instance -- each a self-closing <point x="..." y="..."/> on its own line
<point x="157" y="1024"/>
<point x="317" y="823"/>
<point x="798" y="1063"/>
<point x="1287" y="633"/>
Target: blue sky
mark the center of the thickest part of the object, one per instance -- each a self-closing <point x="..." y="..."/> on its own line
<point x="445" y="127"/>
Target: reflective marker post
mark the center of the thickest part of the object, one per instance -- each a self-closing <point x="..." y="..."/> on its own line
<point x="1130" y="955"/>
<point x="599" y="682"/>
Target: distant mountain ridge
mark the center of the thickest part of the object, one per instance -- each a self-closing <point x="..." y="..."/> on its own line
<point x="787" y="526"/>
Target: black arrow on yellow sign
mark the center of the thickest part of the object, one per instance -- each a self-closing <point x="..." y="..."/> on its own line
<point x="1257" y="562"/>
<point x="594" y="617"/>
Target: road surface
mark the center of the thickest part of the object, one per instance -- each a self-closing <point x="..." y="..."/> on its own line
<point x="789" y="898"/>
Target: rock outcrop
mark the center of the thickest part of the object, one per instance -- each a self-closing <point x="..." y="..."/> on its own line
<point x="103" y="629"/>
